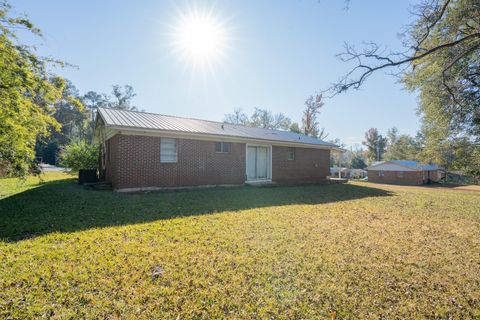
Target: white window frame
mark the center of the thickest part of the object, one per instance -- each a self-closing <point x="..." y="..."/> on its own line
<point x="222" y="147"/>
<point x="291" y="154"/>
<point x="400" y="174"/>
<point x="168" y="140"/>
<point x="269" y="163"/>
<point x="381" y="173"/>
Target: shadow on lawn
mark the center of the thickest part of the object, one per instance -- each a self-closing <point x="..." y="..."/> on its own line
<point x="63" y="206"/>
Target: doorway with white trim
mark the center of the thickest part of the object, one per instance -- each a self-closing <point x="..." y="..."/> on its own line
<point x="259" y="159"/>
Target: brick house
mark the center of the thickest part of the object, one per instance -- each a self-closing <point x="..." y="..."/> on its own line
<point x="143" y="150"/>
<point x="402" y="172"/>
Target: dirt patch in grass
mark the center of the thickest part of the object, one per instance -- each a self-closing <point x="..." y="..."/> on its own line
<point x="436" y="186"/>
<point x="339" y="251"/>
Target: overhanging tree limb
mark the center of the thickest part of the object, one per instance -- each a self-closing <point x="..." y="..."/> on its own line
<point x="345" y="83"/>
<point x="430" y="26"/>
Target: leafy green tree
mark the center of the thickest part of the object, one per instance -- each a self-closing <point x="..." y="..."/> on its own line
<point x="401" y="146"/>
<point x="338" y="159"/>
<point x="441" y="62"/>
<point x="74" y="119"/>
<point x="375" y="144"/>
<point x="92" y="100"/>
<point x="28" y="94"/>
<point x="47" y="151"/>
<point x="448" y="83"/>
<point x="122" y="98"/>
<point x="281" y="121"/>
<point x="237" y="117"/>
<point x="71" y="114"/>
<point x="264" y="118"/>
<point x="358" y="160"/>
<point x="295" y="127"/>
<point x="261" y="118"/>
<point x="80" y="155"/>
<point x="76" y="115"/>
<point x="468" y="158"/>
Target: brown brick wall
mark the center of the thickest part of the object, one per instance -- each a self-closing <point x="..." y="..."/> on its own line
<point x="309" y="164"/>
<point x="392" y="177"/>
<point x="136" y="163"/>
<point x="112" y="155"/>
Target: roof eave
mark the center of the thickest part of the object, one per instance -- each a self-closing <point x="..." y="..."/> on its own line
<point x="394" y="163"/>
<point x="243" y="139"/>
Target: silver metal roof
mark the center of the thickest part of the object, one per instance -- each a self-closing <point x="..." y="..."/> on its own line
<point x="416" y="164"/>
<point x="143" y="120"/>
<point x="410" y="164"/>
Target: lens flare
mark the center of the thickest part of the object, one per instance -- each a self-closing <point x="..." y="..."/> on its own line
<point x="199" y="39"/>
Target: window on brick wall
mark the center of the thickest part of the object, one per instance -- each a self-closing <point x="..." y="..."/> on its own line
<point x="168" y="150"/>
<point x="400" y="174"/>
<point x="222" y="147"/>
<point x="291" y="154"/>
<point x="381" y="173"/>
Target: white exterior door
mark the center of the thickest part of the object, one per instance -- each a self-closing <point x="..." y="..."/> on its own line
<point x="258" y="162"/>
<point x="262" y="164"/>
<point x="251" y="163"/>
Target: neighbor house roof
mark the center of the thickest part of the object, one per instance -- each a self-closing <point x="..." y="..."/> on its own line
<point x="407" y="164"/>
<point x="132" y="120"/>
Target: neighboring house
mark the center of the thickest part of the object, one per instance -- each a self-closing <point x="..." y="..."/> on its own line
<point x="144" y="150"/>
<point x="347" y="173"/>
<point x="402" y="172"/>
<point x="357" y="173"/>
<point x="344" y="172"/>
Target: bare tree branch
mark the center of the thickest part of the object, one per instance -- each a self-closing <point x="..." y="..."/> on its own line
<point x="430" y="26"/>
<point x="366" y="70"/>
<point x="459" y="27"/>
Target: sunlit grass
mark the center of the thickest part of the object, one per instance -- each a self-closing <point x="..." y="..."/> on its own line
<point x="10" y="186"/>
<point x="344" y="251"/>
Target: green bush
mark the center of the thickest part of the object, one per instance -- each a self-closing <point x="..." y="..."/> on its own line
<point x="80" y="155"/>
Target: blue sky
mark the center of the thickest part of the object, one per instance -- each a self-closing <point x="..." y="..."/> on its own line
<point x="279" y="52"/>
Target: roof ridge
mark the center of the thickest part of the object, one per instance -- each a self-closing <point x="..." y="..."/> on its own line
<point x="182" y="117"/>
<point x="216" y="122"/>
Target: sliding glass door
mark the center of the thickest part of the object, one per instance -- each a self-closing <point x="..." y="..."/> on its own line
<point x="258" y="160"/>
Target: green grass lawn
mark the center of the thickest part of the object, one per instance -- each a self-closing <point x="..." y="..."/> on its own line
<point x="344" y="251"/>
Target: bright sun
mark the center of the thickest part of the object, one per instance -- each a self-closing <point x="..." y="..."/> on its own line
<point x="200" y="39"/>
